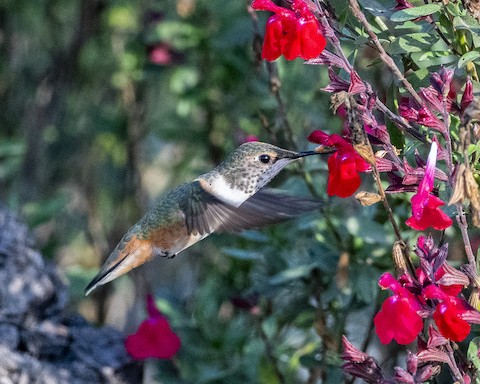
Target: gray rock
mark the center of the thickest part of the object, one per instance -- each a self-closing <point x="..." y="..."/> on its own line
<point x="39" y="342"/>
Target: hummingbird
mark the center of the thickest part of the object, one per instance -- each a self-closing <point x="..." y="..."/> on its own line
<point x="230" y="198"/>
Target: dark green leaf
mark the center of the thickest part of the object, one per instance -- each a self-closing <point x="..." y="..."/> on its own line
<point x="467" y="23"/>
<point x="377" y="8"/>
<point x="413" y="13"/>
<point x="468" y="57"/>
<point x="414" y="42"/>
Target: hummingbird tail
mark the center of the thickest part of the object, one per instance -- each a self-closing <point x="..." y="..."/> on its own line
<point x="129" y="253"/>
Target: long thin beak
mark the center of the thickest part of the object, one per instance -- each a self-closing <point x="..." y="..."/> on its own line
<point x="321" y="150"/>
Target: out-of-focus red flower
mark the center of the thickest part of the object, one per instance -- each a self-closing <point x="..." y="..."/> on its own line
<point x="398" y="319"/>
<point x="251" y="138"/>
<point x="160" y="54"/>
<point x="290" y="32"/>
<point x="425" y="206"/>
<point x="448" y="314"/>
<point x="154" y="337"/>
<point x="344" y="165"/>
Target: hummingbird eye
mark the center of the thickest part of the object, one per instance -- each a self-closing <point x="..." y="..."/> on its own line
<point x="264" y="159"/>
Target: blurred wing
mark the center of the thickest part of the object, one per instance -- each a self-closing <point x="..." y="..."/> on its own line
<point x="204" y="213"/>
<point x="267" y="207"/>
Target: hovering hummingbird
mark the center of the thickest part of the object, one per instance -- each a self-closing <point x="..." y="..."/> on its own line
<point x="227" y="199"/>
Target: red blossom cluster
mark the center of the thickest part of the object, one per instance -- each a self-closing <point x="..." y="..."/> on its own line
<point x="290" y="32"/>
<point x="434" y="293"/>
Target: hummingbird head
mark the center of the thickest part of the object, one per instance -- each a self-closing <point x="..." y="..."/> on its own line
<point x="247" y="169"/>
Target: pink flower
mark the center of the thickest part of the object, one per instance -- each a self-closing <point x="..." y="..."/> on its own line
<point x="154" y="337"/>
<point x="292" y="33"/>
<point x="398" y="319"/>
<point x="449" y="314"/>
<point x="160" y="54"/>
<point x="425" y="206"/>
<point x="343" y="166"/>
<point x="251" y="138"/>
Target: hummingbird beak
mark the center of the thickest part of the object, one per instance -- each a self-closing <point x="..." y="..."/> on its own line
<point x="320" y="150"/>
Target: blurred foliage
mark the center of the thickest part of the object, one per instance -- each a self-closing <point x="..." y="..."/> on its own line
<point x="105" y="104"/>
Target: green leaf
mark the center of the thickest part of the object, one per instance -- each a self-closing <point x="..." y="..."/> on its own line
<point x="419" y="78"/>
<point x="377" y="8"/>
<point x="472" y="355"/>
<point x="292" y="274"/>
<point x="467" y="23"/>
<point x="468" y="57"/>
<point x="413" y="42"/>
<point x="454" y="9"/>
<point x="413" y="13"/>
<point x="430" y="59"/>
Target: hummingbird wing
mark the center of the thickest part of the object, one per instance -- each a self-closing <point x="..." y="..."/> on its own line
<point x="267" y="207"/>
<point x="204" y="213"/>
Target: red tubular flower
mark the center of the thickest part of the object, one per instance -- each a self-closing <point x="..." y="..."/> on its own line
<point x="448" y="314"/>
<point x="398" y="319"/>
<point x="293" y="33"/>
<point x="343" y="166"/>
<point x="425" y="206"/>
<point x="154" y="337"/>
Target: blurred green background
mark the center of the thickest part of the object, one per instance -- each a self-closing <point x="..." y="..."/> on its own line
<point x="107" y="104"/>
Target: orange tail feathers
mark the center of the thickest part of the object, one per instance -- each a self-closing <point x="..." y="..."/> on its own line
<point x="127" y="255"/>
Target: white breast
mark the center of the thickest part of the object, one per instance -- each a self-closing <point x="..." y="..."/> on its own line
<point x="219" y="188"/>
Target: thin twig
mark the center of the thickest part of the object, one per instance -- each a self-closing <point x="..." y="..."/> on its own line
<point x="463" y="225"/>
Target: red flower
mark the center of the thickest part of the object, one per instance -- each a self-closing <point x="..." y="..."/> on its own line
<point x="425" y="206"/>
<point x="449" y="313"/>
<point x="398" y="319"/>
<point x="154" y="338"/>
<point x="343" y="166"/>
<point x="293" y="33"/>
